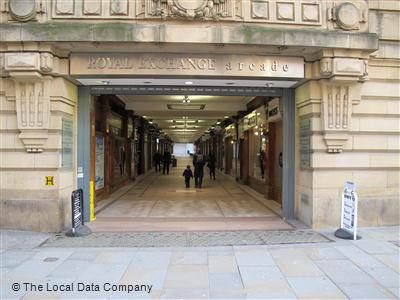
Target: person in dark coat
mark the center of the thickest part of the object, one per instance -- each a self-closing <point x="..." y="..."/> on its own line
<point x="157" y="161"/>
<point x="211" y="164"/>
<point x="187" y="174"/>
<point x="166" y="161"/>
<point x="262" y="158"/>
<point x="198" y="162"/>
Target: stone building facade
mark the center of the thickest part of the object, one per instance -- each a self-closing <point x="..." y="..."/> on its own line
<point x="349" y="95"/>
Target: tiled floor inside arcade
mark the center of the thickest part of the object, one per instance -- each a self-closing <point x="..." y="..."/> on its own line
<point x="162" y="203"/>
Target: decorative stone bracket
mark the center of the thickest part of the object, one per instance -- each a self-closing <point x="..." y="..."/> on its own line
<point x="337" y="101"/>
<point x="32" y="95"/>
<point x="340" y="83"/>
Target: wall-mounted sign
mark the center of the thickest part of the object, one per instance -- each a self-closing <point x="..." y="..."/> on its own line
<point x="99" y="164"/>
<point x="251" y="121"/>
<point x="186" y="64"/>
<point x="274" y="111"/>
<point x="66" y="143"/>
<point x="305" y="143"/>
<point x="49" y="180"/>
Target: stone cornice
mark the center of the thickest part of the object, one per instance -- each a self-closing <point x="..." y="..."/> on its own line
<point x="170" y="33"/>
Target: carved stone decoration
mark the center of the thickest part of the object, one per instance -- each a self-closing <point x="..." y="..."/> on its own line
<point x="189" y="9"/>
<point x="326" y="66"/>
<point x="22" y="61"/>
<point x="260" y="9"/>
<point x="22" y="10"/>
<point x="285" y="11"/>
<point x="310" y="12"/>
<point x="119" y="7"/>
<point x="352" y="69"/>
<point x="46" y="62"/>
<point x="337" y="101"/>
<point x="33" y="111"/>
<point x="347" y="16"/>
<point x="29" y="61"/>
<point x="65" y="7"/>
<point x="91" y="7"/>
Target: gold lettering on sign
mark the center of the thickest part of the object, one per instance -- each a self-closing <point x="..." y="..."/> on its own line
<point x="150" y="63"/>
<point x="185" y="64"/>
<point x="173" y="63"/>
<point x="109" y="63"/>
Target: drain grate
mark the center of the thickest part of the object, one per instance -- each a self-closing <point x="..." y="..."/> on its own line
<point x="187" y="239"/>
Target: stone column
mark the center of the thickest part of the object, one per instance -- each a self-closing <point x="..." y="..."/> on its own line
<point x="323" y="135"/>
<point x="37" y="106"/>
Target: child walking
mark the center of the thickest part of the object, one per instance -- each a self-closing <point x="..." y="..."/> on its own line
<point x="187" y="174"/>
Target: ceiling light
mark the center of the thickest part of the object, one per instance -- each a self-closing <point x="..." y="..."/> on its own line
<point x="104" y="82"/>
<point x="144" y="116"/>
<point x="147" y="82"/>
<point x="269" y="84"/>
<point x="226" y="117"/>
<point x="229" y="83"/>
<point x="188" y="82"/>
<point x="218" y="122"/>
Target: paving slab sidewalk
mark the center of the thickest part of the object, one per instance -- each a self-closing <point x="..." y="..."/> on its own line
<point x="363" y="269"/>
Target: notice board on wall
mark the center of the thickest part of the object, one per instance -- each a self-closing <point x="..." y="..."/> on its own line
<point x="305" y="143"/>
<point x="99" y="163"/>
<point x="66" y="143"/>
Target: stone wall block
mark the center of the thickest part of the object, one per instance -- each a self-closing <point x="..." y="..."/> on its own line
<point x="393" y="179"/>
<point x="16" y="159"/>
<point x="36" y="215"/>
<point x="345" y="160"/>
<point x="370" y="178"/>
<point x="370" y="142"/>
<point x="48" y="159"/>
<point x="388" y="211"/>
<point x="324" y="209"/>
<point x="379" y="124"/>
<point x="331" y="178"/>
<point x="385" y="160"/>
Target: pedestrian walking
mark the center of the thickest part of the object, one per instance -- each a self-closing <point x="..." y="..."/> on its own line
<point x="198" y="162"/>
<point x="187" y="174"/>
<point x="166" y="160"/>
<point x="211" y="164"/>
<point x="157" y="161"/>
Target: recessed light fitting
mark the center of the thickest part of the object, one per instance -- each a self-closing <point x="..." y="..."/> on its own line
<point x="188" y="82"/>
<point x="104" y="82"/>
<point x="229" y="83"/>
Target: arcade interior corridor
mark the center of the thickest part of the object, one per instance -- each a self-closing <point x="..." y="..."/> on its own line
<point x="162" y="203"/>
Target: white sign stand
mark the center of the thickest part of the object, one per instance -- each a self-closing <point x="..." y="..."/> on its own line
<point x="348" y="216"/>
